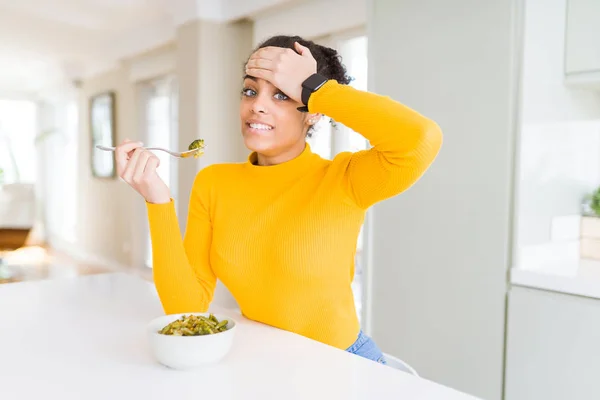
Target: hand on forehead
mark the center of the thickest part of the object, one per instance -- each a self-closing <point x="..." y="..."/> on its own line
<point x="284" y="68"/>
<point x="270" y="52"/>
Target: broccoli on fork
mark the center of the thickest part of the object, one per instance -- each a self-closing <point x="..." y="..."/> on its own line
<point x="197" y="144"/>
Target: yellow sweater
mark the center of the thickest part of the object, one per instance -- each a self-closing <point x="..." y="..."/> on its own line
<point x="283" y="238"/>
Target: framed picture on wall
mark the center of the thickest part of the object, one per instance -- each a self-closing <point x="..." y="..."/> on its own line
<point x="102" y="130"/>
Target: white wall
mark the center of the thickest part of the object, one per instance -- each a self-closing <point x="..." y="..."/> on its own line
<point x="311" y="19"/>
<point x="440" y="251"/>
<point x="105" y="206"/>
<point x="560" y="145"/>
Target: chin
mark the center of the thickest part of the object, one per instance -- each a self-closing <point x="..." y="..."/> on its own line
<point x="259" y="145"/>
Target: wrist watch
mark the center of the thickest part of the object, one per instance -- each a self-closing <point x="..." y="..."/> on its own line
<point x="309" y="86"/>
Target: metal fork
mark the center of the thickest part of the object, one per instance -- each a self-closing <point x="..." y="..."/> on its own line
<point x="183" y="154"/>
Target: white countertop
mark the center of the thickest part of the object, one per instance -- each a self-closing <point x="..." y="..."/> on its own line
<point x="581" y="278"/>
<point x="84" y="338"/>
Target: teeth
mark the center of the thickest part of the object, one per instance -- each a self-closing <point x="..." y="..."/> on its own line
<point x="261" y="126"/>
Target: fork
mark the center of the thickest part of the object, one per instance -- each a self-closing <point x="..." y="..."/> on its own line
<point x="183" y="154"/>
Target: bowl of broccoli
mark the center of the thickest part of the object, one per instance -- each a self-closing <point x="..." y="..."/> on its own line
<point x="191" y="340"/>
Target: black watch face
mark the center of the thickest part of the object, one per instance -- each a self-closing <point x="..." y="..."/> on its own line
<point x="314" y="81"/>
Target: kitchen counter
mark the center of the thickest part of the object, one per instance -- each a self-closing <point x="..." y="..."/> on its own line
<point x="581" y="278"/>
<point x="84" y="337"/>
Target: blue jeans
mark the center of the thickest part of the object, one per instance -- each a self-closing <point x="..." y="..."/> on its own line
<point x="366" y="347"/>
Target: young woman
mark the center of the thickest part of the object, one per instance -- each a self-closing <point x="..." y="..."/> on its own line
<point x="280" y="230"/>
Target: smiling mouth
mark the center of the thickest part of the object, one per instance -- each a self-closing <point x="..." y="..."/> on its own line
<point x="259" y="127"/>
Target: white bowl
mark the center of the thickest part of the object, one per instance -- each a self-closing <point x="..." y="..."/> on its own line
<point x="186" y="352"/>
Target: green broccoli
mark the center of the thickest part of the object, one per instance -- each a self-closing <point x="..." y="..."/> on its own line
<point x="197" y="144"/>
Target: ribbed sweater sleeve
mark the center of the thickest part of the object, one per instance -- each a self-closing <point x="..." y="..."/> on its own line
<point x="182" y="273"/>
<point x="405" y="143"/>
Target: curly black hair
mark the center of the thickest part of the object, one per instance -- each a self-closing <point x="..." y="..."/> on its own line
<point x="329" y="62"/>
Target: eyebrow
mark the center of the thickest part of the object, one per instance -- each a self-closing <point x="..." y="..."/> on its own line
<point x="254" y="79"/>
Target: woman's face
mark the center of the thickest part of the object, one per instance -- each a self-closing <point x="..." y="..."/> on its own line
<point x="271" y="124"/>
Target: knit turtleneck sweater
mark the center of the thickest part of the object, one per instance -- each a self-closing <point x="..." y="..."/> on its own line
<point x="283" y="238"/>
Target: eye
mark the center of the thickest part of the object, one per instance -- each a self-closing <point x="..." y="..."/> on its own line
<point x="281" y="96"/>
<point x="248" y="92"/>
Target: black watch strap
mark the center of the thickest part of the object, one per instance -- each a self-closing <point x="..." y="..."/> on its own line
<point x="309" y="86"/>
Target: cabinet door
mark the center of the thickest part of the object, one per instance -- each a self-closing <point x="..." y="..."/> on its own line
<point x="582" y="36"/>
<point x="553" y="346"/>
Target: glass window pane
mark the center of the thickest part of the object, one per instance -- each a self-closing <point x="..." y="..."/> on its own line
<point x="320" y="140"/>
<point x="159" y="103"/>
<point x="17" y="141"/>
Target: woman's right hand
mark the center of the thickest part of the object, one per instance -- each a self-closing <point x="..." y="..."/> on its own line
<point x="137" y="166"/>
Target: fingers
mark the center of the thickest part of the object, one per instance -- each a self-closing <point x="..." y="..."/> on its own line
<point x="269" y="53"/>
<point x="131" y="165"/>
<point x="272" y="56"/>
<point x="303" y="51"/>
<point x="122" y="154"/>
<point x="274" y="53"/>
<point x="151" y="165"/>
<point x="261" y="63"/>
<point x="140" y="165"/>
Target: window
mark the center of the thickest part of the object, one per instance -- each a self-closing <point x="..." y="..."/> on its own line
<point x="329" y="140"/>
<point x="331" y="137"/>
<point x="159" y="122"/>
<point x="354" y="55"/>
<point x="70" y="173"/>
<point x="320" y="139"/>
<point x="58" y="129"/>
<point x="18" y="159"/>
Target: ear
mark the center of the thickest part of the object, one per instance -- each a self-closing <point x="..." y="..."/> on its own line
<point x="312" y="119"/>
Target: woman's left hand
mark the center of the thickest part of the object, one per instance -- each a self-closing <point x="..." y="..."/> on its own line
<point x="285" y="69"/>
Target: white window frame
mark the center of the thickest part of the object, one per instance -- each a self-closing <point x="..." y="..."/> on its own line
<point x="335" y="41"/>
<point x="141" y="233"/>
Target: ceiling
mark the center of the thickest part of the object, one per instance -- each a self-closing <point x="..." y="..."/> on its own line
<point x="42" y="42"/>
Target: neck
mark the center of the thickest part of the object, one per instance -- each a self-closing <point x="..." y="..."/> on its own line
<point x="285" y="156"/>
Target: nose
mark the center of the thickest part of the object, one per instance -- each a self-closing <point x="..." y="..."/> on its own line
<point x="259" y="105"/>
